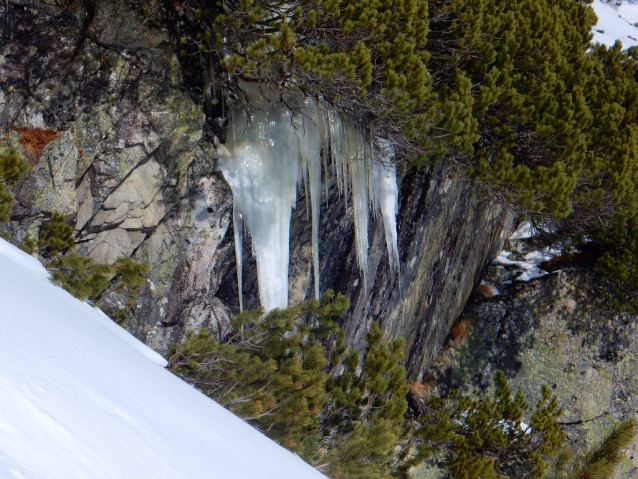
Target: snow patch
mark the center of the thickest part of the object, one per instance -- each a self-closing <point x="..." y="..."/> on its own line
<point x="530" y="265"/>
<point x="81" y="398"/>
<point x="524" y="231"/>
<point x="616" y="23"/>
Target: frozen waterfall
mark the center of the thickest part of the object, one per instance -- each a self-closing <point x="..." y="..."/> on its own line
<point x="270" y="149"/>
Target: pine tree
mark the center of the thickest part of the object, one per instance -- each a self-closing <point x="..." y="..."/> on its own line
<point x="272" y="370"/>
<point x="484" y="437"/>
<point x="56" y="236"/>
<point x="269" y="369"/>
<point x="363" y="419"/>
<point x="81" y="276"/>
<point x="599" y="462"/>
<point x="28" y="244"/>
<point x="12" y="167"/>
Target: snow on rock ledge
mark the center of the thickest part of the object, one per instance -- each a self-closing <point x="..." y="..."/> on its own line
<point x="528" y="264"/>
<point x="81" y="399"/>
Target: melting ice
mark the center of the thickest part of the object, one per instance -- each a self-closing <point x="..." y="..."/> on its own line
<point x="270" y="149"/>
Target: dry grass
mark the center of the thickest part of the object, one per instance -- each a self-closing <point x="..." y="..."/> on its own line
<point x="460" y="331"/>
<point x="421" y="390"/>
<point x="34" y="141"/>
<point x="485" y="291"/>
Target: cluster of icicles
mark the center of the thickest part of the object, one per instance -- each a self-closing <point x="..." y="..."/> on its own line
<point x="270" y="148"/>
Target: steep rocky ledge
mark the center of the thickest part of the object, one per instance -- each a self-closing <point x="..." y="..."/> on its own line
<point x="131" y="168"/>
<point x="559" y="331"/>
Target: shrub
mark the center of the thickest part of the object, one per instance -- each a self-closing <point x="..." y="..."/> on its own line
<point x="272" y="370"/>
<point x="269" y="369"/>
<point x="12" y="167"/>
<point x="56" y="236"/>
<point x="81" y="276"/>
<point x="86" y="279"/>
<point x="484" y="437"/>
<point x="599" y="462"/>
<point x="346" y="411"/>
<point x="515" y="94"/>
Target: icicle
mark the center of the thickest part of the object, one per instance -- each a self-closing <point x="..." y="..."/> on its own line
<point x="237" y="226"/>
<point x="311" y="141"/>
<point x="388" y="198"/>
<point x="336" y="146"/>
<point x="357" y="166"/>
<point x="304" y="172"/>
<point x="225" y="165"/>
<point x="262" y="168"/>
<point x="268" y="152"/>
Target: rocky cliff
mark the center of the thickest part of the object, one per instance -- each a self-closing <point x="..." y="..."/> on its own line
<point x="558" y="330"/>
<point x="98" y="97"/>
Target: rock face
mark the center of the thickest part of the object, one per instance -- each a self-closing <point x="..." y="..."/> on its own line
<point x="131" y="169"/>
<point x="558" y="331"/>
<point x="445" y="238"/>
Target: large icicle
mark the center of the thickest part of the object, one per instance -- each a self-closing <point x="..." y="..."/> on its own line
<point x="387" y="192"/>
<point x="269" y="149"/>
<point x="359" y="159"/>
<point x="260" y="161"/>
<point x="312" y="142"/>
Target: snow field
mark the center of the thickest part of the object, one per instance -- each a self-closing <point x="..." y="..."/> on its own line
<point x="616" y="23"/>
<point x="81" y="398"/>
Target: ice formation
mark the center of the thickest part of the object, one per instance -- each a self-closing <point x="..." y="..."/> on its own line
<point x="388" y="196"/>
<point x="271" y="147"/>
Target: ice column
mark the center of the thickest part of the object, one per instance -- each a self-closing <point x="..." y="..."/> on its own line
<point x="261" y="165"/>
<point x="312" y="134"/>
<point x="387" y="192"/>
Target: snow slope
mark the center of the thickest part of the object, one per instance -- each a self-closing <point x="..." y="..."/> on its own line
<point x="616" y="23"/>
<point x="81" y="398"/>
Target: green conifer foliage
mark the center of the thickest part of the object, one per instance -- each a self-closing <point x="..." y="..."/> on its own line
<point x="12" y="167"/>
<point x="272" y="370"/>
<point x="129" y="274"/>
<point x="600" y="462"/>
<point x="86" y="279"/>
<point x="268" y="370"/>
<point x="28" y="244"/>
<point x="352" y="423"/>
<point x="366" y="57"/>
<point x="81" y="276"/>
<point x="364" y="413"/>
<point x="483" y="438"/>
<point x="56" y="236"/>
<point x="515" y="93"/>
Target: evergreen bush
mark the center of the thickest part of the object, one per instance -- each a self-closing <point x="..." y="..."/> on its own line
<point x="269" y="369"/>
<point x="515" y="93"/>
<point x="86" y="279"/>
<point x="599" y="462"/>
<point x="485" y="437"/>
<point x="12" y="167"/>
<point x="56" y="236"/>
<point x="346" y="412"/>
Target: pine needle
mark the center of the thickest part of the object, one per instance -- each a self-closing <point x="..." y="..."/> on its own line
<point x="601" y="463"/>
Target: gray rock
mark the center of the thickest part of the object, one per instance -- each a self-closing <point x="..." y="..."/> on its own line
<point x="558" y="331"/>
<point x="50" y="185"/>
